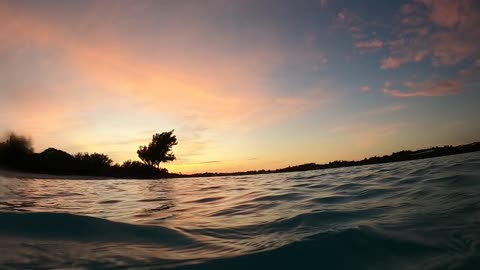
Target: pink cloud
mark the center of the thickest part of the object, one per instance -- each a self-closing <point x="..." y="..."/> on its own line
<point x="447" y="31"/>
<point x="427" y="89"/>
<point x="365" y="88"/>
<point x="122" y="71"/>
<point x="221" y="93"/>
<point x="449" y="13"/>
<point x="351" y="22"/>
<point x="452" y="48"/>
<point x="369" y="44"/>
<point x="390" y="62"/>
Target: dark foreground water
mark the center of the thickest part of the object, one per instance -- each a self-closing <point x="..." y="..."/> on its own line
<point x="422" y="214"/>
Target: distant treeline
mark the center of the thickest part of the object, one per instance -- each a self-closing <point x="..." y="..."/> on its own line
<point x="394" y="157"/>
<point x="16" y="153"/>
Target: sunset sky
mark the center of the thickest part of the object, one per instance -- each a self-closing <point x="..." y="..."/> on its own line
<point x="245" y="84"/>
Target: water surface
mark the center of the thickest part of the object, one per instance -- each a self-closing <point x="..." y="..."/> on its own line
<point x="421" y="214"/>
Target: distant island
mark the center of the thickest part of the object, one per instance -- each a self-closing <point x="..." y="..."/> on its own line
<point x="405" y="155"/>
<point x="16" y="154"/>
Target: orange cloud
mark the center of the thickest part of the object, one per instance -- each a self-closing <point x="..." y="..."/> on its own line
<point x="390" y="62"/>
<point x="427" y="89"/>
<point x="222" y="89"/>
<point x="188" y="84"/>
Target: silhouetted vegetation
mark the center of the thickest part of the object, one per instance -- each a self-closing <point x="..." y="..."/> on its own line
<point x="159" y="149"/>
<point x="55" y="161"/>
<point x="16" y="153"/>
<point x="96" y="164"/>
<point x="394" y="157"/>
<point x="137" y="169"/>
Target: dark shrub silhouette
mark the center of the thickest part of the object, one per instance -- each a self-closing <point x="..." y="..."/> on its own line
<point x="96" y="164"/>
<point x="54" y="161"/>
<point x="159" y="149"/>
<point x="137" y="169"/>
<point x="16" y="151"/>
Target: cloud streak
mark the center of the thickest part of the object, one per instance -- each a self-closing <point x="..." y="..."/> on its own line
<point x="227" y="89"/>
<point x="365" y="88"/>
<point x="446" y="31"/>
<point x="225" y="92"/>
<point x="432" y="88"/>
<point x="369" y="44"/>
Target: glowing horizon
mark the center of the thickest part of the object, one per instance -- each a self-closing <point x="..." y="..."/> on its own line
<point x="246" y="85"/>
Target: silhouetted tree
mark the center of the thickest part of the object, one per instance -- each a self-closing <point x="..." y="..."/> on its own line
<point x="92" y="163"/>
<point x="16" y="151"/>
<point x="138" y="169"/>
<point x="132" y="164"/>
<point x="101" y="160"/>
<point x="159" y="149"/>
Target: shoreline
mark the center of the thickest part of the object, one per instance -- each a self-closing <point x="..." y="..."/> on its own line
<point x="31" y="175"/>
<point x="415" y="155"/>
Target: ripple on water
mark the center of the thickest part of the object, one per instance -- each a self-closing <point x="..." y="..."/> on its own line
<point x="109" y="201"/>
<point x="421" y="214"/>
<point x="207" y="200"/>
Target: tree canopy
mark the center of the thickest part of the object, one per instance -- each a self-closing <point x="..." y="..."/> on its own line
<point x="159" y="149"/>
<point x="15" y="150"/>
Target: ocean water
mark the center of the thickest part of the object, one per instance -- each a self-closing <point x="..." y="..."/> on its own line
<point x="421" y="214"/>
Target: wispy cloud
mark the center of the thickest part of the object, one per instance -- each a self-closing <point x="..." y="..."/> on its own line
<point x="384" y="110"/>
<point x="390" y="62"/>
<point x="365" y="88"/>
<point x="369" y="44"/>
<point x="346" y="19"/>
<point x="427" y="89"/>
<point x="446" y="31"/>
<point x="438" y="87"/>
<point x="225" y="91"/>
<point x="209" y="162"/>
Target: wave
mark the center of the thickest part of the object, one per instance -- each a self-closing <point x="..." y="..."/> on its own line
<point x="354" y="248"/>
<point x="366" y="247"/>
<point x="62" y="226"/>
<point x="410" y="215"/>
<point x="347" y="246"/>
